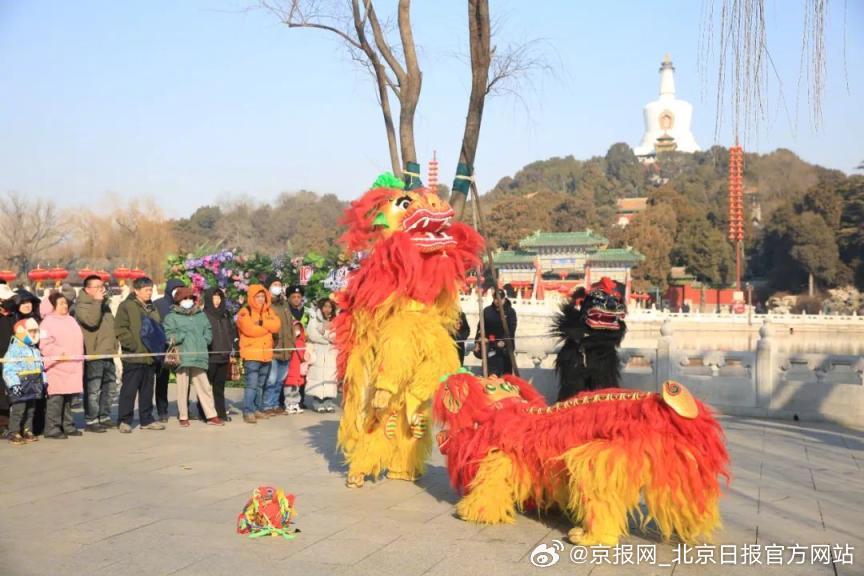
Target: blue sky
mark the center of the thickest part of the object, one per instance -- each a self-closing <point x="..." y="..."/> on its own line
<point x="194" y="102"/>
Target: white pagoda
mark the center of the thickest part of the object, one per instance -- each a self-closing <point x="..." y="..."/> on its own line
<point x="667" y="119"/>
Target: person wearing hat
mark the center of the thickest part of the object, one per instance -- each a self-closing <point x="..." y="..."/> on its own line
<point x="7" y="323"/>
<point x="294" y="395"/>
<point x="164" y="305"/>
<point x="24" y="377"/>
<point x="187" y="327"/>
<point x="28" y="305"/>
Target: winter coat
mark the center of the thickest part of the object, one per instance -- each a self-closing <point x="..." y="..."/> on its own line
<point x="97" y="323"/>
<point x="46" y="308"/>
<point x="190" y="330"/>
<point x="321" y="379"/>
<point x="21" y="296"/>
<point x="7" y="331"/>
<point x="7" y="324"/>
<point x="222" y="326"/>
<point x="257" y="326"/>
<point x="20" y="357"/>
<point x="463" y="330"/>
<point x="61" y="336"/>
<point x="166" y="302"/>
<point x="127" y="326"/>
<point x="285" y="337"/>
<point x="497" y="358"/>
<point x="298" y="367"/>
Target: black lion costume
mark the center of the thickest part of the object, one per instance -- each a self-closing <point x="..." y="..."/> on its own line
<point x="592" y="327"/>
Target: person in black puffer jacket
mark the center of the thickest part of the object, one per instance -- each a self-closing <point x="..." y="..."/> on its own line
<point x="221" y="348"/>
<point x="7" y="323"/>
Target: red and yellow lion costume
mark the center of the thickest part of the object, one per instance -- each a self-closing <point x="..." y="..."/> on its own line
<point x="394" y="334"/>
<point x="595" y="456"/>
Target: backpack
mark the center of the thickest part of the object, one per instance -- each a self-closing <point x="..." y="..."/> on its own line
<point x="153" y="336"/>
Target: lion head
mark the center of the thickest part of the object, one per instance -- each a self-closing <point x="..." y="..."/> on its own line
<point x="465" y="401"/>
<point x="411" y="242"/>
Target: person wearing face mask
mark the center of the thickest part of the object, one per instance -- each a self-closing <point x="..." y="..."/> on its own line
<point x="24" y="376"/>
<point x="281" y="357"/>
<point x="164" y="305"/>
<point x="189" y="329"/>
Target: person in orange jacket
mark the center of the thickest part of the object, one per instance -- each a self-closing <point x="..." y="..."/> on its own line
<point x="257" y="324"/>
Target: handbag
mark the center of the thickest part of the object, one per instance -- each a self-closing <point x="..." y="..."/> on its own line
<point x="234" y="369"/>
<point x="172" y="360"/>
<point x="31" y="386"/>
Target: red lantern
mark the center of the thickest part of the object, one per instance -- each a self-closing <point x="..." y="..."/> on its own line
<point x="104" y="275"/>
<point x="136" y="273"/>
<point x="8" y="275"/>
<point x="85" y="272"/>
<point x="121" y="274"/>
<point x="39" y="275"/>
<point x="58" y="275"/>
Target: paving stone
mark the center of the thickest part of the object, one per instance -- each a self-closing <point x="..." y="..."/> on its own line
<point x="166" y="503"/>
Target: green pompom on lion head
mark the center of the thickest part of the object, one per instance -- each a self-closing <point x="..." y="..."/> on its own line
<point x="388" y="180"/>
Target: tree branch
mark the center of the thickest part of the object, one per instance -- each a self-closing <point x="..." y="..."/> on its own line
<point x="383" y="47"/>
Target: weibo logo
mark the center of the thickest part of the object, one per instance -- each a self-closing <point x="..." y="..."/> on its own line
<point x="544" y="555"/>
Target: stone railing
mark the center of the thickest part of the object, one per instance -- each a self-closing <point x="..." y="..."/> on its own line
<point x="765" y="382"/>
<point x="649" y="315"/>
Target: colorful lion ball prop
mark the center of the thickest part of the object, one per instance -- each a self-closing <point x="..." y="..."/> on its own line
<point x="595" y="456"/>
<point x="591" y="326"/>
<point x="399" y="308"/>
<point x="267" y="513"/>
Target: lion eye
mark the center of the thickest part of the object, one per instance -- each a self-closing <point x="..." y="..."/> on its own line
<point x="403" y="202"/>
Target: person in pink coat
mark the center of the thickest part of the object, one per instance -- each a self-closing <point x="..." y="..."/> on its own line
<point x="62" y="345"/>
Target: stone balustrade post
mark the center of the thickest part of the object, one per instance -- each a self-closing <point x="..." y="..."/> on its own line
<point x="665" y="350"/>
<point x="765" y="367"/>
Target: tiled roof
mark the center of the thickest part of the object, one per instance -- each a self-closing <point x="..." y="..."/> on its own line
<point x="586" y="238"/>
<point x="616" y="255"/>
<point x="632" y="204"/>
<point x="514" y="257"/>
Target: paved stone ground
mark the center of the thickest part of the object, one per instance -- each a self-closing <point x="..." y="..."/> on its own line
<point x="159" y="503"/>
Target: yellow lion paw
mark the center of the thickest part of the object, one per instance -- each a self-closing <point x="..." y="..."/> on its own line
<point x="407" y="476"/>
<point x="355" y="481"/>
<point x="578" y="536"/>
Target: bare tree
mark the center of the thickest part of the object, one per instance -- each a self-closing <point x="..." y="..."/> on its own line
<point x="744" y="59"/>
<point x="28" y="229"/>
<point x="393" y="65"/>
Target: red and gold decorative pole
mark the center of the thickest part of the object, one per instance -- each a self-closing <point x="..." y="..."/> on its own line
<point x="433" y="172"/>
<point x="736" y="206"/>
